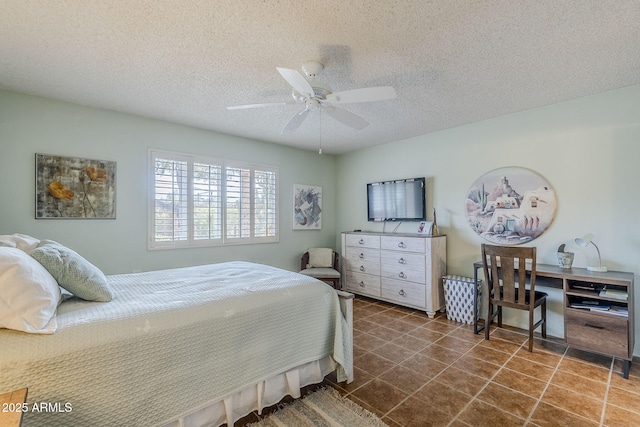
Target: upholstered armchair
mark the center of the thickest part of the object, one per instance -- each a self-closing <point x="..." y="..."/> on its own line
<point x="323" y="264"/>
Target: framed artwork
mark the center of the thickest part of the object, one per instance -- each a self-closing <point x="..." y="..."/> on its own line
<point x="75" y="188"/>
<point x="307" y="207"/>
<point x="510" y="206"/>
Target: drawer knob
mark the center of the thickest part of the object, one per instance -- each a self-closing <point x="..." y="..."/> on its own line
<point x="402" y="275"/>
<point x="361" y="241"/>
<point x="402" y="261"/>
<point x="402" y="245"/>
<point x="361" y="284"/>
<point x="361" y="256"/>
<point x="362" y="268"/>
<point x="402" y="293"/>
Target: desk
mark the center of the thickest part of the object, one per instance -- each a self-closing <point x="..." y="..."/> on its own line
<point x="594" y="331"/>
<point x="11" y="407"/>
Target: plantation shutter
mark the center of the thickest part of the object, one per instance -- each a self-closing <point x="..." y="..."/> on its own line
<point x="207" y="201"/>
<point x="238" y="202"/>
<point x="265" y="204"/>
<point x="171" y="184"/>
<point x="203" y="201"/>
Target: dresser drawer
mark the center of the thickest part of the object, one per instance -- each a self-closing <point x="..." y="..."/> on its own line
<point x="403" y="266"/>
<point x="598" y="332"/>
<point x="363" y="241"/>
<point x="363" y="260"/>
<point x="404" y="293"/>
<point x="357" y="255"/>
<point x="405" y="244"/>
<point x="362" y="266"/>
<point x="403" y="274"/>
<point x="363" y="283"/>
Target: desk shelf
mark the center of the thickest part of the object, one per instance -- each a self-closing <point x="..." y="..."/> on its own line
<point x="597" y="322"/>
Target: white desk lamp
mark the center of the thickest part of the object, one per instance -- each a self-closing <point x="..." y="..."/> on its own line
<point x="584" y="242"/>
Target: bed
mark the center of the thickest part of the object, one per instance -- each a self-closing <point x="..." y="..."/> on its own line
<point x="201" y="345"/>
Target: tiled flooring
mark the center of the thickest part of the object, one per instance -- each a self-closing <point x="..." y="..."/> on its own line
<point x="414" y="371"/>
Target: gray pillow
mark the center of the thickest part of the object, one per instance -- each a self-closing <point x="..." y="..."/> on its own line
<point x="72" y="272"/>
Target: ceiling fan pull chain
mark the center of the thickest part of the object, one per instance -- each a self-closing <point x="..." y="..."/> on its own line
<point x="320" y="150"/>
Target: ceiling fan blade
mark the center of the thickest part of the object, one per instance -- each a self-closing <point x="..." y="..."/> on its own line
<point x="346" y="117"/>
<point x="295" y="121"/>
<point x="367" y="94"/>
<point x="268" y="104"/>
<point x="297" y="81"/>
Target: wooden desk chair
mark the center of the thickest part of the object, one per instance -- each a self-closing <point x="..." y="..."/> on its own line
<point x="507" y="277"/>
<point x="323" y="264"/>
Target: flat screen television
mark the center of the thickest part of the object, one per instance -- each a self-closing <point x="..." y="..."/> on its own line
<point x="399" y="200"/>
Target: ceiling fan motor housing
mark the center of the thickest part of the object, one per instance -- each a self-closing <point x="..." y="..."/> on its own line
<point x="320" y="89"/>
<point x="320" y="92"/>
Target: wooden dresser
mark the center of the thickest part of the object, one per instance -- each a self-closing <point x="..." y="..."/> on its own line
<point x="405" y="269"/>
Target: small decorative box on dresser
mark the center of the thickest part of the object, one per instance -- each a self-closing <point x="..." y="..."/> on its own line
<point x="405" y="269"/>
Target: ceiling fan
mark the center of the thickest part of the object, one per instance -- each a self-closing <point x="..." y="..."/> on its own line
<point x="316" y="95"/>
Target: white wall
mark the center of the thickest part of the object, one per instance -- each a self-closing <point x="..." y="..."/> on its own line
<point x="587" y="149"/>
<point x="30" y="125"/>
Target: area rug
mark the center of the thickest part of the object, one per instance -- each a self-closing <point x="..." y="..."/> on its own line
<point x="324" y="407"/>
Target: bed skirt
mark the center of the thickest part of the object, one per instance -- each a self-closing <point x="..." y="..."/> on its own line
<point x="256" y="397"/>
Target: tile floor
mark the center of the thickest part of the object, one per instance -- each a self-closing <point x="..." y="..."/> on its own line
<point x="414" y="371"/>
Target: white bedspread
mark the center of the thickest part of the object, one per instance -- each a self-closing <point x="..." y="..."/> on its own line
<point x="172" y="340"/>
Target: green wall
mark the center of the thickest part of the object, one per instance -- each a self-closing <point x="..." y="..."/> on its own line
<point x="587" y="149"/>
<point x="30" y="125"/>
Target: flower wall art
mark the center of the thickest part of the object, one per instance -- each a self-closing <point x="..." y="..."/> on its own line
<point x="74" y="187"/>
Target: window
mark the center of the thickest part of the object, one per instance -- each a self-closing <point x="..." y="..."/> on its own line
<point x="200" y="201"/>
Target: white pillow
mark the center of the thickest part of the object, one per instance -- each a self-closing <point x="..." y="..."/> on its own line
<point x="20" y="241"/>
<point x="320" y="257"/>
<point x="29" y="295"/>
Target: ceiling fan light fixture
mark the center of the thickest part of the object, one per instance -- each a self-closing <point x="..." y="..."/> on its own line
<point x="313" y="103"/>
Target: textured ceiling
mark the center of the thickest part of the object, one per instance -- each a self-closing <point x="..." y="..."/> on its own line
<point x="451" y="62"/>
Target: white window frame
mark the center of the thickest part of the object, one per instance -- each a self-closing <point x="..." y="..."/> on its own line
<point x="190" y="241"/>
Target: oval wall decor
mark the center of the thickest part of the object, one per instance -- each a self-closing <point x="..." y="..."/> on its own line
<point x="510" y="206"/>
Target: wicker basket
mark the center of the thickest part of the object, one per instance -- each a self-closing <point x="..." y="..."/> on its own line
<point x="458" y="298"/>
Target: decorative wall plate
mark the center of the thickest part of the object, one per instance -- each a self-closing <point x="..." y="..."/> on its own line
<point x="510" y="206"/>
